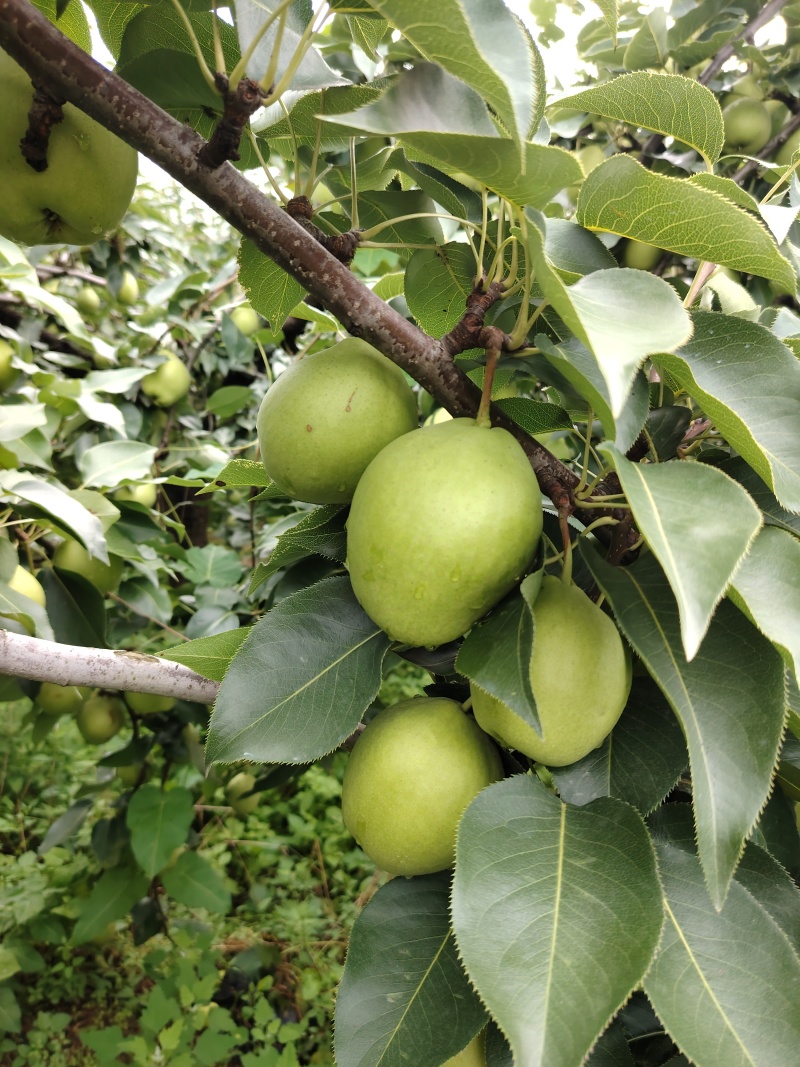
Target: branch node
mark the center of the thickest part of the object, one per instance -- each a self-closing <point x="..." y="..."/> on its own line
<point x="239" y="105"/>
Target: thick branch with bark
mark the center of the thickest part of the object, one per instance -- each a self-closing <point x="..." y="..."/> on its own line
<point x="46" y="661"/>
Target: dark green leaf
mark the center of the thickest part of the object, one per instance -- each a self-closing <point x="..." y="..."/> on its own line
<point x="729" y="700"/>
<point x="321" y="533"/>
<point x="195" y="883"/>
<point x="437" y="283"/>
<point x="112" y="897"/>
<point x="75" y="608"/>
<point x="159" y="822"/>
<point x="404" y="997"/>
<point x="724" y="983"/>
<point x="557" y="914"/>
<point x="301" y="681"/>
<point x="209" y="656"/>
<point x="496" y="654"/>
<point x="66" y="825"/>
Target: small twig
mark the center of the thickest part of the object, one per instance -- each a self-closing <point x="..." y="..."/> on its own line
<point x="765" y="15"/>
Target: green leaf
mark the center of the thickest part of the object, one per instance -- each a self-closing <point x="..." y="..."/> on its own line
<point x="10" y="1014"/>
<point x="376" y="208"/>
<point x="535" y="416"/>
<point x="748" y="383"/>
<point x="159" y="822"/>
<point x="109" y="464"/>
<point x="729" y="700"/>
<point x="573" y="251"/>
<point x="312" y="110"/>
<point x="496" y="654"/>
<point x="194" y="882"/>
<point x="238" y="472"/>
<point x="596" y="305"/>
<point x="437" y="284"/>
<point x="213" y="565"/>
<point x="442" y="121"/>
<point x="724" y="983"/>
<point x="312" y="71"/>
<point x="666" y="103"/>
<point x="640" y="761"/>
<point x="648" y="46"/>
<point x="623" y="197"/>
<point x="485" y="46"/>
<point x="271" y="291"/>
<point x="111" y="898"/>
<point x="61" y="507"/>
<point x="767" y="588"/>
<point x="404" y="997"/>
<point x="557" y="913"/>
<point x="612" y="1049"/>
<point x="66" y="825"/>
<point x="301" y="681"/>
<point x="698" y="560"/>
<point x="229" y="401"/>
<point x="579" y="369"/>
<point x="321" y="532"/>
<point x="774" y="514"/>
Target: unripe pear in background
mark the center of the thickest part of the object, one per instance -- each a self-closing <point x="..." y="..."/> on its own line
<point x="445" y="521"/>
<point x="100" y="719"/>
<point x="87" y="185"/>
<point x="580" y="675"/>
<point x="61" y="699"/>
<point x="474" y="1055"/>
<point x="748" y="125"/>
<point x="245" y="319"/>
<point x="8" y="374"/>
<point x="145" y="493"/>
<point x="240" y="784"/>
<point x="641" y="256"/>
<point x="411" y="774"/>
<point x="149" y="703"/>
<point x="326" y="417"/>
<point x="168" y="383"/>
<point x="24" y="582"/>
<point x="72" y="556"/>
<point x="88" y="301"/>
<point x="128" y="292"/>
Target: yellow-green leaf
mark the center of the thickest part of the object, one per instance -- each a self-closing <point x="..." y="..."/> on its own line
<point x="621" y="196"/>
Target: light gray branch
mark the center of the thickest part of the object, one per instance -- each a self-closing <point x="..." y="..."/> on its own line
<point x="46" y="661"/>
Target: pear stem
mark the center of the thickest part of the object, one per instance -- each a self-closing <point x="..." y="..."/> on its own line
<point x="566" y="571"/>
<point x="483" y="418"/>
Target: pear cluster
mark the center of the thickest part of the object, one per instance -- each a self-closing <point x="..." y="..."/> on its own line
<point x="86" y="186"/>
<point x="444" y="521"/>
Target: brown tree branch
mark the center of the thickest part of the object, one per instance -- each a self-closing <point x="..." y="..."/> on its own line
<point x="45" y="113"/>
<point x="63" y="68"/>
<point x="765" y="15"/>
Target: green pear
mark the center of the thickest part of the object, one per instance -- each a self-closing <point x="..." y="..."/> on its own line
<point x="100" y="718"/>
<point x="748" y="124"/>
<point x="128" y="292"/>
<point x="61" y="699"/>
<point x="641" y="256"/>
<point x="168" y="383"/>
<point x="325" y="418"/>
<point x="72" y="556"/>
<point x="784" y="156"/>
<point x="474" y="1055"/>
<point x="8" y="374"/>
<point x="245" y="319"/>
<point x="87" y="301"/>
<point x="88" y="183"/>
<point x="22" y="581"/>
<point x="145" y="493"/>
<point x="149" y="703"/>
<point x="240" y="784"/>
<point x="580" y="676"/>
<point x="411" y="774"/>
<point x="445" y="521"/>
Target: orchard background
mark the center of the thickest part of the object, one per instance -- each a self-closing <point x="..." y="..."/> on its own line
<point x="616" y="263"/>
